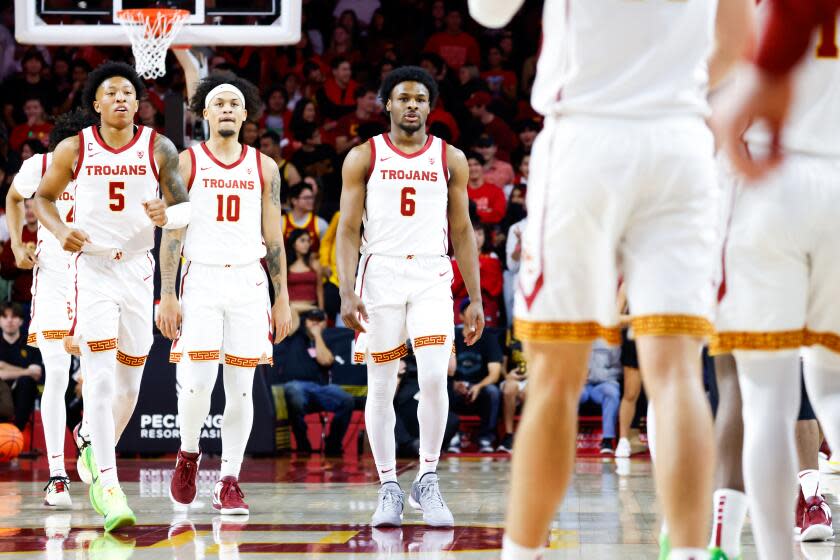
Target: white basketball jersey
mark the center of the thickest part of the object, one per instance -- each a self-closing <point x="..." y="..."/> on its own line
<point x="626" y="58"/>
<point x="50" y="254"/>
<point x="406" y="200"/>
<point x="813" y="125"/>
<point x="111" y="186"/>
<point x="226" y="216"/>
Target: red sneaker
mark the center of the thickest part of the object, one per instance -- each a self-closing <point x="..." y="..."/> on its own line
<point x="815" y="520"/>
<point x="228" y="497"/>
<point x="182" y="488"/>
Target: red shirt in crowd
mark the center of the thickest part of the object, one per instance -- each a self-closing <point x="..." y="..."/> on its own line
<point x="456" y="50"/>
<point x="489" y="201"/>
<point x="23" y="132"/>
<point x="441" y="115"/>
<point x="491" y="281"/>
<point x="21" y="279"/>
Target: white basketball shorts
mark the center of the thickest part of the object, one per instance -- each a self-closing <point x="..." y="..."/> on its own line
<point x="50" y="312"/>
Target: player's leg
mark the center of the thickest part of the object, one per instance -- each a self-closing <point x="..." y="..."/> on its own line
<point x="729" y="506"/>
<point x="54" y="415"/>
<point x="627" y="410"/>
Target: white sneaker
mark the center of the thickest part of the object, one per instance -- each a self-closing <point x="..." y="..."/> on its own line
<point x="58" y="493"/>
<point x="455" y="444"/>
<point x="623" y="449"/>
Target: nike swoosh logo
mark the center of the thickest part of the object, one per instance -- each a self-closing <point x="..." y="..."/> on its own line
<point x="106" y="470"/>
<point x="260" y="283"/>
<point x="206" y="168"/>
<point x="385" y="158"/>
<point x="147" y="277"/>
<point x="442" y="274"/>
<point x="386" y="472"/>
<point x="430" y="460"/>
<point x="94" y="154"/>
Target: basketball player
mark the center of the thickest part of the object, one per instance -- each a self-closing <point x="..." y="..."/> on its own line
<point x="235" y="196"/>
<point x="623" y="172"/>
<point x="117" y="167"/>
<point x="403" y="186"/>
<point x="49" y="322"/>
<point x="781" y="255"/>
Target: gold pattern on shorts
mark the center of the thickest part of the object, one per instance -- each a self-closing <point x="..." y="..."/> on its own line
<point x="665" y="325"/>
<point x="430" y="340"/>
<point x="829" y="340"/>
<point x="238" y="361"/>
<point x="132" y="361"/>
<point x="727" y="341"/>
<point x="54" y="335"/>
<point x="359" y="357"/>
<point x="31" y="338"/>
<point x="175" y="357"/>
<point x="400" y="351"/>
<point x="584" y="331"/>
<point x="204" y="355"/>
<point x="102" y="345"/>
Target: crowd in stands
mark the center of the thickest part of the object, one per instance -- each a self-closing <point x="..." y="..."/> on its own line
<point x="321" y="100"/>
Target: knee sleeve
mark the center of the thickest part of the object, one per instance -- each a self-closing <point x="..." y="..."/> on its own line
<point x="379" y="414"/>
<point x="432" y="366"/>
<point x="195" y="381"/>
<point x="53" y="409"/>
<point x="238" y="416"/>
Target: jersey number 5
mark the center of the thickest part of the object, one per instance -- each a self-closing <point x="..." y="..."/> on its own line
<point x="407" y="204"/>
<point x="115" y="196"/>
<point x="232" y="208"/>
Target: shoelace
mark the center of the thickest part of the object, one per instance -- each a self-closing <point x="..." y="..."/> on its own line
<point x="58" y="480"/>
<point x="227" y="488"/>
<point x="431" y="492"/>
<point x="186" y="472"/>
<point x="391" y="500"/>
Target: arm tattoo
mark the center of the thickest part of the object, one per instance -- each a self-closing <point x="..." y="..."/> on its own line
<point x="275" y="256"/>
<point x="171" y="182"/>
<point x="169" y="259"/>
<point x="276" y="185"/>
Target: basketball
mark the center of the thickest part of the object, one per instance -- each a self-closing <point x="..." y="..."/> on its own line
<point x="11" y="442"/>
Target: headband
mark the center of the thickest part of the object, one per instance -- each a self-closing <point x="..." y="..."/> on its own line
<point x="221" y="88"/>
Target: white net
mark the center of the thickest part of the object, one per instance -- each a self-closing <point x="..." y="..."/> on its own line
<point x="151" y="32"/>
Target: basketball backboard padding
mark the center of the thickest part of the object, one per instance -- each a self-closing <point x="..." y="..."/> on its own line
<point x="30" y="28"/>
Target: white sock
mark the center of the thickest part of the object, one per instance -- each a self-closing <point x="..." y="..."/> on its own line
<point x="108" y="477"/>
<point x="53" y="407"/>
<point x="729" y="512"/>
<point x="433" y="408"/>
<point x="809" y="481"/>
<point x="822" y="380"/>
<point x="126" y="391"/>
<point x="99" y="389"/>
<point x="380" y="417"/>
<point x="238" y="417"/>
<point x="513" y="551"/>
<point x="688" y="554"/>
<point x="770" y="391"/>
<point x="195" y="381"/>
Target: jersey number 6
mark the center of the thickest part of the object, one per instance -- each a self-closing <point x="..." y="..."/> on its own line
<point x="407" y="204"/>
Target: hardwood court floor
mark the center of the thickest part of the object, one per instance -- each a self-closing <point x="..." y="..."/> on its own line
<point x="319" y="508"/>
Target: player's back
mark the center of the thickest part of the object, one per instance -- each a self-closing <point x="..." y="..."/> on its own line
<point x="625" y="58"/>
<point x="813" y="126"/>
<point x="111" y="186"/>
<point x="406" y="200"/>
<point x="226" y="218"/>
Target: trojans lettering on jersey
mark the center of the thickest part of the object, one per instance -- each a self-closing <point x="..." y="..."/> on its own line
<point x="226" y="220"/>
<point x="111" y="186"/>
<point x="406" y="200"/>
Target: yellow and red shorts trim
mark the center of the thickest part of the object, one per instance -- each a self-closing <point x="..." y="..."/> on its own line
<point x="102" y="345"/>
<point x="563" y="331"/>
<point x="430" y="340"/>
<point x="671" y="325"/>
<point x="728" y="341"/>
<point x="131" y="361"/>
<point x="400" y="351"/>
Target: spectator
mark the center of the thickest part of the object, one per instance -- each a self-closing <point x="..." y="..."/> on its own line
<point x="30" y="148"/>
<point x="407" y="428"/>
<point x="306" y="290"/>
<point x="79" y="72"/>
<point x="486" y="122"/>
<point x="500" y="81"/>
<point x="276" y="115"/>
<point x="302" y="216"/>
<point x="489" y="199"/>
<point x="305" y="112"/>
<point x="291" y="84"/>
<point x="363" y="9"/>
<point x="332" y="299"/>
<point x="454" y="45"/>
<point x="514" y="391"/>
<point x="148" y="116"/>
<point x="347" y="131"/>
<point x="603" y="389"/>
<point x="490" y="277"/>
<point x="21" y="279"/>
<point x="289" y="175"/>
<point x="29" y="84"/>
<point x="319" y="160"/>
<point x="513" y="251"/>
<point x="526" y="131"/>
<point x="476" y="376"/>
<point x="250" y="135"/>
<point x="379" y="38"/>
<point x="336" y="96"/>
<point x="342" y="47"/>
<point x="36" y="126"/>
<point x="305" y="370"/>
<point x="496" y="172"/>
<point x="20" y="369"/>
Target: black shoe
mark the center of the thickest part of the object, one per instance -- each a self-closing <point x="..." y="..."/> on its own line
<point x="336" y="452"/>
<point x="507" y="444"/>
<point x="607" y="447"/>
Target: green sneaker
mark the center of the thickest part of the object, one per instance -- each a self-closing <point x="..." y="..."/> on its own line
<point x="109" y="547"/>
<point x="117" y="512"/>
<point x="717" y="554"/>
<point x="85" y="462"/>
<point x="664" y="546"/>
<point x="95" y="495"/>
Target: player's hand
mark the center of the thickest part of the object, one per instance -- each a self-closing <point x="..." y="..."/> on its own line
<point x="72" y="240"/>
<point x="761" y="99"/>
<point x="472" y="394"/>
<point x="156" y="211"/>
<point x="351" y="308"/>
<point x="473" y="322"/>
<point x="24" y="256"/>
<point x="281" y="316"/>
<point x="169" y="316"/>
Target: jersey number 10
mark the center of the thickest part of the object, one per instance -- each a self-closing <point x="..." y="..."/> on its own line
<point x="230" y="211"/>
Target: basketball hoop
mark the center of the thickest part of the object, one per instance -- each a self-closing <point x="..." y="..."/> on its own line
<point x="151" y="31"/>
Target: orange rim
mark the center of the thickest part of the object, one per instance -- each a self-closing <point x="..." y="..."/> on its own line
<point x="143" y="15"/>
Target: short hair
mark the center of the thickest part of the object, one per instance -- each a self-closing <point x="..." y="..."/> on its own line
<point x="434" y="58"/>
<point x="110" y="69"/>
<point x="271" y="135"/>
<point x="476" y="156"/>
<point x="297" y="189"/>
<point x="36" y="145"/>
<point x="69" y="124"/>
<point x="305" y="130"/>
<point x="15" y="308"/>
<point x="33" y="53"/>
<point x="338" y="61"/>
<point x="408" y="74"/>
<point x="253" y="102"/>
<point x="363" y="90"/>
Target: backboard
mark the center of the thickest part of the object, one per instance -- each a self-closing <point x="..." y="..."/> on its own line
<point x="211" y="22"/>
